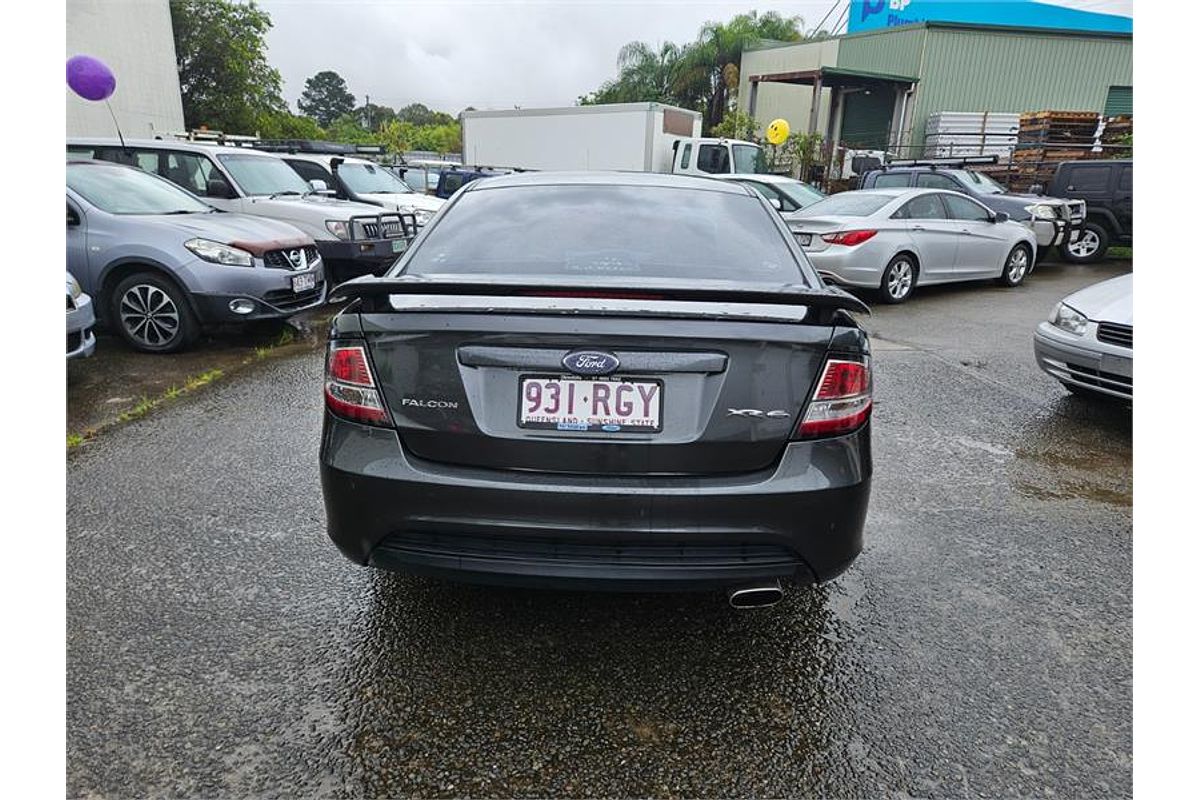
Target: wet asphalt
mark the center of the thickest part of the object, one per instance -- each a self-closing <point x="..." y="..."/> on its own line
<point x="218" y="645"/>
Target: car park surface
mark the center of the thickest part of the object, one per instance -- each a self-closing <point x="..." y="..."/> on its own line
<point x="981" y="645"/>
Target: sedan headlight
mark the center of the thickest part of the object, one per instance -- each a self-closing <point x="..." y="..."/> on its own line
<point x="219" y="253"/>
<point x="73" y="287"/>
<point x="1041" y="211"/>
<point x="337" y="228"/>
<point x="1069" y="320"/>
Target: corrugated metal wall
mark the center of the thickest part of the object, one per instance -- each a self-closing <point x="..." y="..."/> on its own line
<point x="1009" y="71"/>
<point x="892" y="52"/>
<point x="1018" y="72"/>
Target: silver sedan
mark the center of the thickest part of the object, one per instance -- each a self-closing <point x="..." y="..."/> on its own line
<point x="1087" y="343"/>
<point x="896" y="239"/>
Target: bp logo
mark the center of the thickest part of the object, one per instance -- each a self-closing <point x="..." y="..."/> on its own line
<point x="872" y="7"/>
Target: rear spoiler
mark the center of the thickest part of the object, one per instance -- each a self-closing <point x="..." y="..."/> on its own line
<point x="822" y="297"/>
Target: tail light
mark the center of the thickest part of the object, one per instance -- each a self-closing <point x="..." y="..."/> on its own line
<point x="842" y="402"/>
<point x="848" y="238"/>
<point x="350" y="388"/>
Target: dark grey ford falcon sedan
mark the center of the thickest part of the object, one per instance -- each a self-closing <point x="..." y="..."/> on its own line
<point x="602" y="381"/>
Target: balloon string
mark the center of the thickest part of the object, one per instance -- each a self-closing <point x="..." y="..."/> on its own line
<point x="115" y="124"/>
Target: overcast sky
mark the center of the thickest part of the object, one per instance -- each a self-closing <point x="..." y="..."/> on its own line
<point x="451" y="54"/>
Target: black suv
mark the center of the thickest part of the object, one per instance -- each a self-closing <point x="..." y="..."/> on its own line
<point x="1107" y="188"/>
<point x="1053" y="221"/>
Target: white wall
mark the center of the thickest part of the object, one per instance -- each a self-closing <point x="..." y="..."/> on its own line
<point x="782" y="100"/>
<point x="134" y="38"/>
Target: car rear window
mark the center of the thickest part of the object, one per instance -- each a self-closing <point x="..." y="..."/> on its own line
<point x="847" y="204"/>
<point x="891" y="180"/>
<point x="609" y="233"/>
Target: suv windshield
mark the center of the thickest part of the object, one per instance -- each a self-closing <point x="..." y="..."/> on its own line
<point x="126" y="190"/>
<point x="370" y="179"/>
<point x="748" y="159"/>
<point x="258" y="175"/>
<point x="552" y="230"/>
<point x="977" y="181"/>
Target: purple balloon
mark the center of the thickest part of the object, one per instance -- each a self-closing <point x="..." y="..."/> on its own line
<point x="90" y="78"/>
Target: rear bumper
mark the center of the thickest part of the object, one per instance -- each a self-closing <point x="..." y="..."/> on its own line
<point x="800" y="520"/>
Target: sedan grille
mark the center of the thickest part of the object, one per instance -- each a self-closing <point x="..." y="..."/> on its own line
<point x="293" y="258"/>
<point x="1112" y="333"/>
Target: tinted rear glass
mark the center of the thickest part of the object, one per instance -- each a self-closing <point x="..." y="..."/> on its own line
<point x="610" y="233"/>
<point x="847" y="204"/>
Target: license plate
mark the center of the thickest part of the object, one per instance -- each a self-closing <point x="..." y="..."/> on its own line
<point x="399" y="246"/>
<point x="581" y="404"/>
<point x="805" y="239"/>
<point x="302" y="283"/>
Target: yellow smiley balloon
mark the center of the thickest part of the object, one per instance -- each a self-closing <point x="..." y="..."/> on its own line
<point x="777" y="131"/>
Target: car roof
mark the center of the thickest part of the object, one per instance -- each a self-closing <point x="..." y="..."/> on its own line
<point x="168" y="144"/>
<point x="895" y="191"/>
<point x="601" y="178"/>
<point x="326" y="158"/>
<point x="761" y="177"/>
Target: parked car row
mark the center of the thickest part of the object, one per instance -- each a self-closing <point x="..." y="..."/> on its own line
<point x="160" y="263"/>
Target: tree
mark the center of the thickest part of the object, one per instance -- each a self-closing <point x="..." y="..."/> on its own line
<point x="373" y="117"/>
<point x="717" y="55"/>
<point x="420" y="114"/>
<point x="736" y="125"/>
<point x="702" y="74"/>
<point x="285" y="125"/>
<point x="220" y="51"/>
<point x="325" y="98"/>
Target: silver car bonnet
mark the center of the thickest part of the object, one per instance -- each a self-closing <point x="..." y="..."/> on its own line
<point x="1107" y="301"/>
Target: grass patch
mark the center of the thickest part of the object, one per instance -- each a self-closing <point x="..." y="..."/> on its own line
<point x="148" y="404"/>
<point x="1120" y="252"/>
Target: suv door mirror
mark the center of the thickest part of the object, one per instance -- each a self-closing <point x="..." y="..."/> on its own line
<point x="318" y="186"/>
<point x="776" y="203"/>
<point x="218" y="188"/>
<point x="1000" y="216"/>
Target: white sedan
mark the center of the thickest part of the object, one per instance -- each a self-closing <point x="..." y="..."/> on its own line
<point x="896" y="239"/>
<point x="1087" y="343"/>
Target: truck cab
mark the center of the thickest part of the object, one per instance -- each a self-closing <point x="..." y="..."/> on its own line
<point x="706" y="156"/>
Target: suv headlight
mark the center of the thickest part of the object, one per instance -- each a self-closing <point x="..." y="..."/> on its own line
<point x="423" y="215"/>
<point x="1041" y="211"/>
<point x="337" y="228"/>
<point x="219" y="253"/>
<point x="73" y="287"/>
<point x="1069" y="320"/>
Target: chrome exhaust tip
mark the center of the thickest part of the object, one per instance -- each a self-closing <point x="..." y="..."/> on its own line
<point x="762" y="596"/>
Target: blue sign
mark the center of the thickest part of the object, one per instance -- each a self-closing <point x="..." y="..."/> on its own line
<point x="1113" y="16"/>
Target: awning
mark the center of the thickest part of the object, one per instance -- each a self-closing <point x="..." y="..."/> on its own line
<point x="832" y="77"/>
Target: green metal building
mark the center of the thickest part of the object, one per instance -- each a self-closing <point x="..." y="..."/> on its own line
<point x="876" y="89"/>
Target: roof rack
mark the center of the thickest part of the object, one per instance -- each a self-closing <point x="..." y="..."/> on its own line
<point x="206" y="135"/>
<point x="943" y="162"/>
<point x="319" y="146"/>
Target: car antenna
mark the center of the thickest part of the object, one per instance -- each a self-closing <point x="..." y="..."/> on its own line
<point x="116" y="125"/>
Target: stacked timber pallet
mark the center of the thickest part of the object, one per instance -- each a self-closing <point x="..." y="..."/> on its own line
<point x="1047" y="138"/>
<point x="1113" y="131"/>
